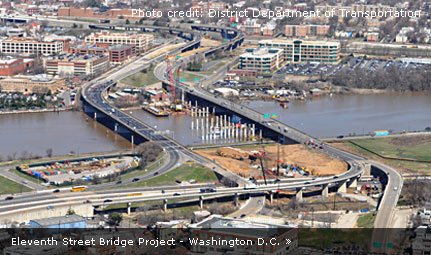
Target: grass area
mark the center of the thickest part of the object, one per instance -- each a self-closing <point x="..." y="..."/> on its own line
<point x="150" y="168"/>
<point x="366" y="221"/>
<point x="10" y="187"/>
<point x="184" y="172"/>
<point x="189" y="77"/>
<point x="412" y="147"/>
<point x="141" y="79"/>
<point x="25" y="176"/>
<point x="412" y="166"/>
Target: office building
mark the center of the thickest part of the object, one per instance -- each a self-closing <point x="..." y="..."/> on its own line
<point x="306" y="30"/>
<point x="75" y="65"/>
<point x="297" y="51"/>
<point x="28" y="46"/>
<point x="118" y="53"/>
<point x="13" y="66"/>
<point x="142" y="42"/>
<point x="262" y="60"/>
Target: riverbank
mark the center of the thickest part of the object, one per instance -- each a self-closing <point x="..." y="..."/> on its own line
<point x="37" y="111"/>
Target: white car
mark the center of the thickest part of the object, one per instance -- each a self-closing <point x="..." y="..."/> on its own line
<point x="395" y="188"/>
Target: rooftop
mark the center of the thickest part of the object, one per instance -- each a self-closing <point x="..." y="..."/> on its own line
<point x="218" y="224"/>
<point x="59" y="220"/>
<point x="308" y="42"/>
<point x="262" y="52"/>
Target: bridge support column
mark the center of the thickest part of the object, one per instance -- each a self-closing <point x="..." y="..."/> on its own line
<point x="271" y="197"/>
<point x="165" y="205"/>
<point x="116" y="127"/>
<point x="342" y="188"/>
<point x="325" y="191"/>
<point x="201" y="202"/>
<point x="367" y="171"/>
<point x="132" y="140"/>
<point x="95" y="116"/>
<point x="299" y="195"/>
<point x="129" y="208"/>
<point x="354" y="183"/>
<point x="236" y="199"/>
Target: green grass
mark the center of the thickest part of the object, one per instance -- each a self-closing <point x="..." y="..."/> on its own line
<point x="184" y="172"/>
<point x="385" y="147"/>
<point x="410" y="165"/>
<point x="25" y="176"/>
<point x="10" y="187"/>
<point x="366" y="221"/>
<point x="150" y="168"/>
<point x="141" y="79"/>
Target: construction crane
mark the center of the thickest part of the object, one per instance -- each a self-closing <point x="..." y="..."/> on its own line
<point x="171" y="78"/>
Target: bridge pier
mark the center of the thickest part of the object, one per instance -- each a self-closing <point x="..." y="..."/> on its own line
<point x="95" y="116"/>
<point x="367" y="171"/>
<point x="236" y="199"/>
<point x="325" y="191"/>
<point x="165" y="205"/>
<point x="129" y="208"/>
<point x="132" y="140"/>
<point x="353" y="184"/>
<point x="201" y="202"/>
<point x="271" y="197"/>
<point x="342" y="188"/>
<point x="299" y="195"/>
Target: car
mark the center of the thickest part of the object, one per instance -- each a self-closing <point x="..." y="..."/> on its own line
<point x="243" y="215"/>
<point x="347" y="211"/>
<point x="50" y="207"/>
<point x="395" y="188"/>
<point x="156" y="173"/>
<point x="307" y="182"/>
<point x="56" y="191"/>
<point x="118" y="182"/>
<point x="335" y="177"/>
<point x="87" y="201"/>
<point x="135" y="179"/>
<point x="340" y="136"/>
<point x="177" y="181"/>
<point x="8" y="198"/>
<point x="25" y="181"/>
<point x="177" y="194"/>
<point x="107" y="201"/>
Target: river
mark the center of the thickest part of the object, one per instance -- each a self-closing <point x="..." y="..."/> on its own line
<point x="320" y="117"/>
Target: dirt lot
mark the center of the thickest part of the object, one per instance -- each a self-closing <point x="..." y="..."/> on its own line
<point x="298" y="154"/>
<point x="209" y="42"/>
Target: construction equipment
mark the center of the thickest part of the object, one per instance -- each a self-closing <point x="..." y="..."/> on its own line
<point x="171" y="78"/>
<point x="221" y="153"/>
<point x="238" y="157"/>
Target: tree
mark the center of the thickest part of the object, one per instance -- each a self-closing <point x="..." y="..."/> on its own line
<point x="70" y="211"/>
<point x="115" y="218"/>
<point x="49" y="152"/>
<point x="149" y="151"/>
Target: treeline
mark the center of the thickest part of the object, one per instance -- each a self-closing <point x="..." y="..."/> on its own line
<point x="391" y="78"/>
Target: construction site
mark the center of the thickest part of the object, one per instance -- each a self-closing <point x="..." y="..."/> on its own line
<point x="276" y="160"/>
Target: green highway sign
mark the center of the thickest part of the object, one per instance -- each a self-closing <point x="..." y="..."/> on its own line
<point x="182" y="80"/>
<point x="266" y="115"/>
<point x="377" y="245"/>
<point x="196" y="79"/>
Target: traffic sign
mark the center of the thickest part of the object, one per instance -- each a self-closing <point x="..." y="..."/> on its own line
<point x="182" y="80"/>
<point x="274" y="115"/>
<point x="377" y="244"/>
<point x="266" y="115"/>
<point x="196" y="79"/>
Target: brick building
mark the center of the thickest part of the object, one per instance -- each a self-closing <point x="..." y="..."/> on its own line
<point x="74" y="64"/>
<point x="117" y="53"/>
<point x="142" y="42"/>
<point x="11" y="67"/>
<point x="31" y="84"/>
<point x="306" y="30"/>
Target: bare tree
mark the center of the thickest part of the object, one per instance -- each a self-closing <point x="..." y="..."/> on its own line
<point x="49" y="152"/>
